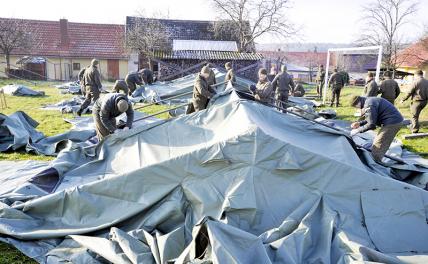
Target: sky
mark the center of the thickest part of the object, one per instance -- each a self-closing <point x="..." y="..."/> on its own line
<point x="321" y="21"/>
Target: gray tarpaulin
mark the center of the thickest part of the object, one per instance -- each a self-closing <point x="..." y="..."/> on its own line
<point x="69" y="87"/>
<point x="236" y="183"/>
<point x="21" y="90"/>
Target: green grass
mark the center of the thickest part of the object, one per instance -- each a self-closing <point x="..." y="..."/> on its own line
<point x="51" y="123"/>
<point x="345" y="112"/>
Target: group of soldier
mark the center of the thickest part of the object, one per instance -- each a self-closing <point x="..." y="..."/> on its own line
<point x="375" y="111"/>
<point x="379" y="111"/>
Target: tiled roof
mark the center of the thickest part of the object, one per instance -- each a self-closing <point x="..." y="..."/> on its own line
<point x="207" y="55"/>
<point x="86" y="40"/>
<point x="415" y="55"/>
<point x="212" y="45"/>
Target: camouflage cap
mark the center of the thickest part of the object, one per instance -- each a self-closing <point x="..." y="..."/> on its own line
<point x="419" y="72"/>
<point x="95" y="62"/>
<point x="205" y="69"/>
<point x="122" y="105"/>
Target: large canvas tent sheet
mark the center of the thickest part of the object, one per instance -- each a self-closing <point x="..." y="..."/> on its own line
<point x="236" y="183"/>
<point x="21" y="90"/>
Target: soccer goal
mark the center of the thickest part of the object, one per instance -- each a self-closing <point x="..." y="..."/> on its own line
<point x="355" y="62"/>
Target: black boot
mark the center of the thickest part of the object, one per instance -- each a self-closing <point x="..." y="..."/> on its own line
<point x="79" y="112"/>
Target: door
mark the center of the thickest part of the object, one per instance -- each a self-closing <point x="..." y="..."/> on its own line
<point x="112" y="69"/>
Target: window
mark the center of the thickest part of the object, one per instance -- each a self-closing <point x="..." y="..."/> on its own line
<point x="76" y="66"/>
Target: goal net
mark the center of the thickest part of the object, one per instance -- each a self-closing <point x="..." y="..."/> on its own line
<point x="353" y="63"/>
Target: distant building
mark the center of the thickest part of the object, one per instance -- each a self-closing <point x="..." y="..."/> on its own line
<point x="192" y="42"/>
<point x="62" y="48"/>
<point x="414" y="57"/>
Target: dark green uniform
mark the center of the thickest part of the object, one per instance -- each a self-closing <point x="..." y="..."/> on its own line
<point x="202" y="92"/>
<point x="336" y="84"/>
<point x="105" y="112"/>
<point x="120" y="85"/>
<point x="299" y="91"/>
<point x="92" y="83"/>
<point x="281" y="85"/>
<point x="211" y="80"/>
<point x="147" y="76"/>
<point x="389" y="90"/>
<point x="371" y="89"/>
<point x="230" y="76"/>
<point x="319" y="80"/>
<point x="264" y="92"/>
<point x="419" y="94"/>
<point x="132" y="80"/>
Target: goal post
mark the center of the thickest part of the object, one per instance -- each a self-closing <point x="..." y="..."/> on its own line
<point x="351" y="49"/>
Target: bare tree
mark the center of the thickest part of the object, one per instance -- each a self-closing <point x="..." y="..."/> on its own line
<point x="254" y="18"/>
<point x="147" y="36"/>
<point x="14" y="34"/>
<point x="383" y="22"/>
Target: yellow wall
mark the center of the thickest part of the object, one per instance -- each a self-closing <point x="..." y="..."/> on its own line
<point x="62" y="69"/>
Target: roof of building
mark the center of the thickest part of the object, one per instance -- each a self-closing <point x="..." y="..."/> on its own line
<point x="207" y="55"/>
<point x="298" y="58"/>
<point x="211" y="45"/>
<point x="85" y="40"/>
<point x="415" y="55"/>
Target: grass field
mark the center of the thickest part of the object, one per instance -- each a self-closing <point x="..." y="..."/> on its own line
<point x="51" y="123"/>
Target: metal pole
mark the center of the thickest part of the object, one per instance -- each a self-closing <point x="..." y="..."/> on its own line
<point x="326" y="78"/>
<point x="379" y="61"/>
<point x="161" y="112"/>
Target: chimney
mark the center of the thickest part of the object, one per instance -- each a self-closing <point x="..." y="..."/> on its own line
<point x="63" y="28"/>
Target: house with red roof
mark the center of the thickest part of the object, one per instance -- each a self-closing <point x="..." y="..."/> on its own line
<point x="61" y="48"/>
<point x="414" y="57"/>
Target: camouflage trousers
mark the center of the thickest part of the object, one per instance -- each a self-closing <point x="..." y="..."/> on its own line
<point x="416" y="108"/>
<point x="319" y="89"/>
<point x="335" y="95"/>
<point x="101" y="130"/>
<point x="383" y="140"/>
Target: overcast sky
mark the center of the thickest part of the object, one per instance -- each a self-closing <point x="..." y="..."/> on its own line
<point x="334" y="21"/>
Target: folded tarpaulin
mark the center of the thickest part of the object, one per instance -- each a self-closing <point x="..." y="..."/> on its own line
<point x="21" y="90"/>
<point x="239" y="182"/>
<point x="18" y="130"/>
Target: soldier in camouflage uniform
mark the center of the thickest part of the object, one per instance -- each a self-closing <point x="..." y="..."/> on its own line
<point x="320" y="79"/>
<point x="147" y="76"/>
<point x="92" y="83"/>
<point x="230" y="75"/>
<point x="371" y="89"/>
<point x="202" y="92"/>
<point x="299" y="91"/>
<point x="282" y="84"/>
<point x="263" y="91"/>
<point x="419" y="94"/>
<point x="336" y="84"/>
<point x="120" y="85"/>
<point x="389" y="88"/>
<point x="133" y="79"/>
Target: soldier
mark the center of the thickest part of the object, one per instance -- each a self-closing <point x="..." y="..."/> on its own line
<point x="230" y="75"/>
<point x="133" y="79"/>
<point x="336" y="84"/>
<point x="107" y="109"/>
<point x="120" y="85"/>
<point x="202" y="92"/>
<point x="419" y="94"/>
<point x="211" y="79"/>
<point x="80" y="79"/>
<point x="320" y="79"/>
<point x="281" y="85"/>
<point x="371" y="89"/>
<point x="299" y="91"/>
<point x="377" y="112"/>
<point x="389" y="88"/>
<point x="92" y="83"/>
<point x="147" y="76"/>
<point x="345" y="77"/>
<point x="263" y="89"/>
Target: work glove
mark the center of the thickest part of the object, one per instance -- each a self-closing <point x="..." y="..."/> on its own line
<point x="354" y="132"/>
<point x="125" y="128"/>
